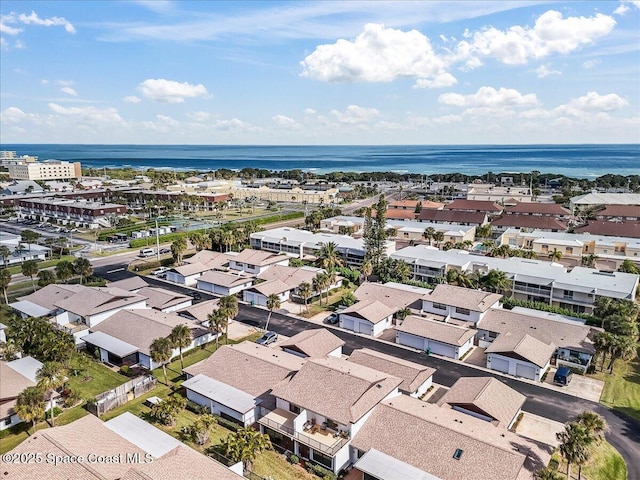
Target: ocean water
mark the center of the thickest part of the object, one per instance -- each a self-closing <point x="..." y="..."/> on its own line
<point x="579" y="161"/>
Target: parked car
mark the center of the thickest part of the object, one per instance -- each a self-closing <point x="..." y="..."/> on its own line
<point x="332" y="319"/>
<point x="158" y="271"/>
<point x="267" y="338"/>
<point x="563" y="376"/>
<point x="195" y="295"/>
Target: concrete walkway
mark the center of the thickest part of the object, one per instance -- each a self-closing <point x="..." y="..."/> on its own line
<point x="539" y="428"/>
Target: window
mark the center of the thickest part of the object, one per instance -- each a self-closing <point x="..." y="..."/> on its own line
<point x="569" y="250"/>
<point x="322" y="459"/>
<point x="332" y="424"/>
<point x="439" y="306"/>
<point x="568" y="294"/>
<point x="493" y="334"/>
<point x="294" y="408"/>
<point x="463" y="311"/>
<point x="458" y="453"/>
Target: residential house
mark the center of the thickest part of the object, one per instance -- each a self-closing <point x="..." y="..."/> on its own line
<point x="199" y="312"/>
<point x="19" y="251"/>
<point x="235" y="393"/>
<point x="484" y="206"/>
<point x="254" y="262"/>
<point x="434" y="335"/>
<point x="22" y="187"/>
<point x="528" y="222"/>
<point x="538" y="210"/>
<point x="222" y="283"/>
<point x="445" y="444"/>
<point x="323" y="406"/>
<point x="41" y="303"/>
<point x="370" y="317"/>
<point x="619" y="213"/>
<point x="165" y="300"/>
<point x="314" y="343"/>
<point x="306" y="245"/>
<point x="413" y="204"/>
<point x="596" y="199"/>
<point x="123" y="448"/>
<point x="213" y="260"/>
<point x="187" y="274"/>
<point x="627" y="228"/>
<point x="81" y="213"/>
<point x="130" y="284"/>
<point x="486" y="398"/>
<point x="527" y="343"/>
<point x="126" y="337"/>
<point x="453" y="217"/>
<point x="416" y="378"/>
<point x="459" y="303"/>
<point x="16" y="376"/>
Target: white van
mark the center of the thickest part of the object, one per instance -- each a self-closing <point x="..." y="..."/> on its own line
<point x="147" y="252"/>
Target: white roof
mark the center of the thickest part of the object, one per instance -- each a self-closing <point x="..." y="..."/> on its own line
<point x="596" y="198"/>
<point x="142" y="434"/>
<point x="28" y="367"/>
<point x="294" y="236"/>
<point x="111" y="344"/>
<point x="403" y="224"/>
<point x="222" y="393"/>
<point x="29" y="308"/>
<point x="573" y="238"/>
<point x="385" y="467"/>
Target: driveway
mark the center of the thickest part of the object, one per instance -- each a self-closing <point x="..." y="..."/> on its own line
<point x="539" y="428"/>
<point x="580" y="386"/>
<point x="477" y="357"/>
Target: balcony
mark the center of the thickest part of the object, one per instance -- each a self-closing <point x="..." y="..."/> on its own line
<point x="543" y="292"/>
<point x="326" y="441"/>
<point x="573" y="300"/>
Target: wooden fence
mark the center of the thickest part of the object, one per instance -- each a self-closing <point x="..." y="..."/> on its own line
<point x="121" y="394"/>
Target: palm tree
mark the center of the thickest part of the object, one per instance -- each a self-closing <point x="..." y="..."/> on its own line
<point x="484" y="231"/>
<point x="403" y="313"/>
<point x="177" y="249"/>
<point x="51" y="377"/>
<point x="428" y="234"/>
<point x="589" y="260"/>
<point x="320" y="282"/>
<point x="30" y="405"/>
<point x="217" y="321"/>
<point x="496" y="281"/>
<point x="305" y="291"/>
<point x="244" y="445"/>
<point x="438" y="237"/>
<point x="227" y="239"/>
<point x="574" y="444"/>
<point x="229" y="305"/>
<point x="82" y="267"/>
<point x="161" y="353"/>
<point x="46" y="277"/>
<point x="328" y="256"/>
<point x="29" y="269"/>
<point x="5" y="253"/>
<point x="547" y="474"/>
<point x="5" y="280"/>
<point x="556" y="255"/>
<point x="627" y="267"/>
<point x="64" y="270"/>
<point x="180" y="337"/>
<point x="366" y="269"/>
<point x="29" y="237"/>
<point x="602" y="342"/>
<point x="623" y="348"/>
<point x="273" y="303"/>
<point x="596" y="426"/>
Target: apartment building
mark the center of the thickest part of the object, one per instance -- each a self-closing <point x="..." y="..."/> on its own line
<point x="47" y="170"/>
<point x="306" y="245"/>
<point x="71" y="212"/>
<point x="611" y="251"/>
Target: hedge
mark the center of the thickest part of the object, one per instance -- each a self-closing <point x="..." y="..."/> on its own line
<point x="143" y="242"/>
<point x="320" y="471"/>
<point x="130" y="228"/>
<point x="509" y="303"/>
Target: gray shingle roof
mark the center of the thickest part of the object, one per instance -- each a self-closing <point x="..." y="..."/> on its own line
<point x="224" y="279"/>
<point x="391" y="295"/>
<point x="474" y="300"/>
<point x="523" y="345"/>
<point x="132" y="283"/>
<point x="161" y="298"/>
<point x="435" y="330"/>
<point x="91" y="301"/>
<point x="316" y="342"/>
<point x="371" y="310"/>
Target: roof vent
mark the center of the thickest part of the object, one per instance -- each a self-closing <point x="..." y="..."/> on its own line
<point x="458" y="453"/>
<point x="379" y="386"/>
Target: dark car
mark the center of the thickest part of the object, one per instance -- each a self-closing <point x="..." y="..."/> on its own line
<point x="195" y="295"/>
<point x="165" y="250"/>
<point x="332" y="319"/>
<point x="563" y="376"/>
<point x="267" y="338"/>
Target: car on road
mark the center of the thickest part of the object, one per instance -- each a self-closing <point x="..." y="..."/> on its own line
<point x="158" y="271"/>
<point x="165" y="250"/>
<point x="267" y="338"/>
<point x="332" y="319"/>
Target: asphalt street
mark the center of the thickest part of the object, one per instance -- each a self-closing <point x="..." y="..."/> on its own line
<point x="623" y="434"/>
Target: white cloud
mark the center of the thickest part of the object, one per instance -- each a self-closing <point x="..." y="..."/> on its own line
<point x="551" y="34"/>
<point x="590" y="63"/>
<point x="69" y="91"/>
<point x="284" y="121"/>
<point x="233" y="124"/>
<point x="545" y="70"/>
<point x="44" y="81"/>
<point x="378" y="54"/>
<point x="621" y="10"/>
<point x="309" y="111"/>
<point x="88" y="114"/>
<point x="438" y="81"/>
<point x="199" y="116"/>
<point x="65" y="83"/>
<point x="169" y="91"/>
<point x="490" y="97"/>
<point x="32" y="19"/>
<point x="355" y="114"/>
<point x="131" y="99"/>
<point x="447" y="119"/>
<point x="12" y="115"/>
<point x="593" y="101"/>
<point x="163" y="124"/>
<point x="8" y="30"/>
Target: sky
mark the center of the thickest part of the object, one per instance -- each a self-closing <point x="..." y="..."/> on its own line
<point x="319" y="73"/>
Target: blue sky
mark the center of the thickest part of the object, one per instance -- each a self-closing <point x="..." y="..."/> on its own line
<point x="328" y="72"/>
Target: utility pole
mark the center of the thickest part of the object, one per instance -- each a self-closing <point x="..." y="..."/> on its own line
<point x="157" y="242"/>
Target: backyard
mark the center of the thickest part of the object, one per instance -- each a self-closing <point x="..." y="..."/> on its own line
<point x="622" y="388"/>
<point x="605" y="464"/>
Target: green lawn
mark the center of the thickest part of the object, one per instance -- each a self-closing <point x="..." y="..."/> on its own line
<point x="622" y="389"/>
<point x="272" y="464"/>
<point x="330" y="306"/>
<point x="101" y="379"/>
<point x="44" y="264"/>
<point x="605" y="464"/>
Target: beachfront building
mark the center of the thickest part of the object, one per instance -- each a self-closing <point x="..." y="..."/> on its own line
<point x="80" y="213"/>
<point x="47" y="170"/>
<point x="306" y="245"/>
<point x="532" y="280"/>
<point x="9" y="157"/>
<point x="592" y="200"/>
<point x="610" y="251"/>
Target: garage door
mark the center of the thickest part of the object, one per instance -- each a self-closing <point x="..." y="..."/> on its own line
<point x="442" y="349"/>
<point x="347" y="322"/>
<point x="499" y="364"/>
<point x="526" y="371"/>
<point x="410" y="340"/>
<point x="365" y="328"/>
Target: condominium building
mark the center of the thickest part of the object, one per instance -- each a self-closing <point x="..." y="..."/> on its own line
<point x="47" y="170"/>
<point x="71" y="212"/>
<point x="8" y="157"/>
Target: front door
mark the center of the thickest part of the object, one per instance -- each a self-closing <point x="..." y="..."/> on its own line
<point x="303" y="451"/>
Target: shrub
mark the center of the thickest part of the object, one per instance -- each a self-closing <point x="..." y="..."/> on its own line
<point x="195" y="408"/>
<point x="293" y="459"/>
<point x="321" y="471"/>
<point x="125" y="370"/>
